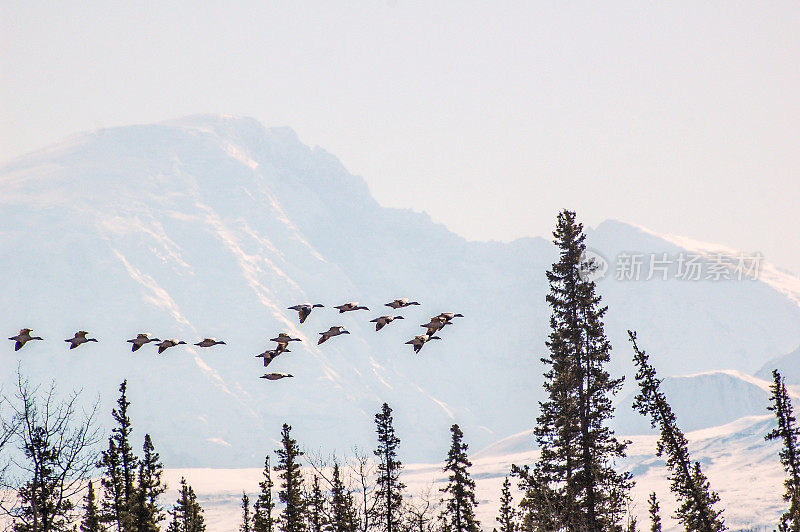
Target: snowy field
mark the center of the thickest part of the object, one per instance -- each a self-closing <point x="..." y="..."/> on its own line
<point x="741" y="466"/>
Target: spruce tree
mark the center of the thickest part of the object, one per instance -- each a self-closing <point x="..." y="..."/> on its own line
<point x="245" y="526"/>
<point x="389" y="492"/>
<point x="187" y="514"/>
<point x="687" y="481"/>
<point x="317" y="522"/>
<point x="788" y="432"/>
<point x="120" y="467"/>
<point x="654" y="511"/>
<point x="291" y="492"/>
<point x="262" y="509"/>
<point x="343" y="513"/>
<point x="574" y="482"/>
<point x="148" y="512"/>
<point x="506" y="513"/>
<point x="460" y="503"/>
<point x="91" y="514"/>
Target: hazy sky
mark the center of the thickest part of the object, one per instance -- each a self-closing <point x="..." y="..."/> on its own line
<point x="491" y="116"/>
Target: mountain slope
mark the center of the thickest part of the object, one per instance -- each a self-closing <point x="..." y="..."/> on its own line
<point x="213" y="225"/>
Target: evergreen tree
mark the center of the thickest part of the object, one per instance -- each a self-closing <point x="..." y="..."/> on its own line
<point x="460" y="503"/>
<point x="506" y="513"/>
<point x="343" y="512"/>
<point x="788" y="432"/>
<point x="120" y="467"/>
<point x="245" y="526"/>
<point x="390" y="489"/>
<point x="574" y="481"/>
<point x="655" y="515"/>
<point x="187" y="514"/>
<point x="148" y="512"/>
<point x="315" y="504"/>
<point x="91" y="515"/>
<point x="262" y="509"/>
<point x="687" y="481"/>
<point x="291" y="492"/>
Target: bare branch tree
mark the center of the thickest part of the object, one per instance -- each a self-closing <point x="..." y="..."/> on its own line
<point x="362" y="474"/>
<point x="56" y="443"/>
<point x="421" y="511"/>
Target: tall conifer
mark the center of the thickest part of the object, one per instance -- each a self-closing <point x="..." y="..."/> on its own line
<point x="460" y="502"/>
<point x="265" y="504"/>
<point x="506" y="514"/>
<point x="574" y="485"/>
<point x="343" y="512"/>
<point x="687" y="481"/>
<point x="291" y="492"/>
<point x="245" y="525"/>
<point x="390" y="490"/>
<point x="120" y="466"/>
<point x="788" y="432"/>
<point x="91" y="515"/>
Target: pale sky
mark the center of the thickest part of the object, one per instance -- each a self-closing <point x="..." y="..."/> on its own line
<point x="491" y="116"/>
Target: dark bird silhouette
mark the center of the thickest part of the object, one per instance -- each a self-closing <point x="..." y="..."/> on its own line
<point x="23" y="337"/>
<point x="401" y="303"/>
<point x="383" y="321"/>
<point x="166" y="344"/>
<point x="304" y="310"/>
<point x="348" y="307"/>
<point x="79" y="339"/>
<point x="335" y="330"/>
<point x="140" y="340"/>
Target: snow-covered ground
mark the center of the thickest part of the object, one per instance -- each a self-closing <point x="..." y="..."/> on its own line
<point x="741" y="467"/>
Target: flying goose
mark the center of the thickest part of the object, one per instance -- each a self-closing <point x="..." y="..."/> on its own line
<point x="283" y="340"/>
<point x="270" y="354"/>
<point x="305" y="309"/>
<point x="208" y="342"/>
<point x="78" y="339"/>
<point x="166" y="344"/>
<point x="23" y="337"/>
<point x="436" y="324"/>
<point x="347" y="307"/>
<point x="275" y="376"/>
<point x="401" y="303"/>
<point x="140" y="340"/>
<point x="381" y="322"/>
<point x="420" y="340"/>
<point x="448" y="316"/>
<point x="335" y="330"/>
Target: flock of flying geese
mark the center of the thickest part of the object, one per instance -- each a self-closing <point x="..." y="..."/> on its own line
<point x="435" y="325"/>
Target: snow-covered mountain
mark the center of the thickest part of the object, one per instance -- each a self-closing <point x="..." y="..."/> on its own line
<point x="701" y="401"/>
<point x="213" y="225"/>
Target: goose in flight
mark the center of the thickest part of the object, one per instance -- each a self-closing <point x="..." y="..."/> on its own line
<point x="209" y="342"/>
<point x="140" y="340"/>
<point x="347" y="307"/>
<point x="23" y="337"/>
<point x="305" y="309"/>
<point x="275" y="376"/>
<point x="448" y="316"/>
<point x="420" y="340"/>
<point x="78" y="339"/>
<point x="335" y="330"/>
<point x="166" y="344"/>
<point x="401" y="303"/>
<point x="436" y="324"/>
<point x="283" y="340"/>
<point x="381" y="322"/>
<point x="270" y="354"/>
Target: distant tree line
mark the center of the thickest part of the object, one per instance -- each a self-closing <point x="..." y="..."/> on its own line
<point x="52" y="477"/>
